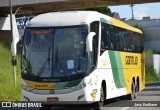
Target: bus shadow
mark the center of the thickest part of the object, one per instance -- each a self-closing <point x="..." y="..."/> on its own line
<point x="108" y="103"/>
<point x="70" y="107"/>
<point x="114" y="102"/>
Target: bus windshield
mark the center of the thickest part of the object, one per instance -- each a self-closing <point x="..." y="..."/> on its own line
<point x="54" y="52"/>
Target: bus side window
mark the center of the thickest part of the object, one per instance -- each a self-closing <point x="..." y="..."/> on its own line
<point x="127" y="41"/>
<point x="139" y="44"/>
<point x="104" y="40"/>
<point x="124" y="41"/>
<point x="131" y="41"/>
<point x="142" y="42"/>
<point x="119" y="39"/>
<point x="111" y="38"/>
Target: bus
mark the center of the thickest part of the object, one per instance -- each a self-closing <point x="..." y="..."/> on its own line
<point x="81" y="56"/>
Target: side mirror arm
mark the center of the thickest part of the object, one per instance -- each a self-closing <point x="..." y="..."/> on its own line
<point x="89" y="41"/>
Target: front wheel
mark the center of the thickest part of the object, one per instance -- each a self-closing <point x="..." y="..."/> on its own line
<point x="102" y="97"/>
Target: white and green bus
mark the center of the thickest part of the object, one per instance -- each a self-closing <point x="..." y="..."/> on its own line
<point x="81" y="56"/>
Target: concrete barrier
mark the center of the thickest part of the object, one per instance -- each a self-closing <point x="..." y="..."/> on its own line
<point x="156" y="63"/>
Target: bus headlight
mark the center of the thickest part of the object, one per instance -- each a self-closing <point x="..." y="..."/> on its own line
<point x="83" y="85"/>
<point x="26" y="88"/>
<point x="80" y="86"/>
<point x="26" y="98"/>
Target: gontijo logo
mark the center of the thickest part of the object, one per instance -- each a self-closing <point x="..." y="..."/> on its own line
<point x="131" y="60"/>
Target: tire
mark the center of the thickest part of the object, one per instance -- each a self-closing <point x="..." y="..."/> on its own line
<point x="132" y="94"/>
<point x="102" y="97"/>
<point x="136" y="90"/>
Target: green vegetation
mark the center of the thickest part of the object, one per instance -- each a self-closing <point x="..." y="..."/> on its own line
<point x="103" y="10"/>
<point x="151" y="75"/>
<point x="151" y="51"/>
<point x="8" y="90"/>
<point x="138" y="26"/>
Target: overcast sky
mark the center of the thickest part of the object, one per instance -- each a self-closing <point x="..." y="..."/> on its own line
<point x="139" y="10"/>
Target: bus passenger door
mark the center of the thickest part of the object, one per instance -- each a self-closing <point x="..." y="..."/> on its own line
<point x="94" y="27"/>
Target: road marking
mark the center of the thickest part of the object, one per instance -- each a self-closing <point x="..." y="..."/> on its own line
<point x="125" y="108"/>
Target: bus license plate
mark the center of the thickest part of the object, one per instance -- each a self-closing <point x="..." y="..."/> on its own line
<point x="52" y="99"/>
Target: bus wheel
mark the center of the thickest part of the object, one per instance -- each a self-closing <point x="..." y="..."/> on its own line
<point x="132" y="94"/>
<point x="136" y="90"/>
<point x="102" y="97"/>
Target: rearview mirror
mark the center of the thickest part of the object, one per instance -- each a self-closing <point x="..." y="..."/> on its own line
<point x="89" y="41"/>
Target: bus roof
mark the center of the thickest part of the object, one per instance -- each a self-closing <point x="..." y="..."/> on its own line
<point x="70" y="18"/>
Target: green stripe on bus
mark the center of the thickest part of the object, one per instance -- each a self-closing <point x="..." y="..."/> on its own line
<point x="67" y="84"/>
<point x="73" y="83"/>
<point x="120" y="69"/>
<point x="114" y="69"/>
<point x="105" y="21"/>
<point x="59" y="85"/>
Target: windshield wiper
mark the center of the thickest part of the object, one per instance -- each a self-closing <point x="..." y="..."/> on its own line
<point x="77" y="67"/>
<point x="60" y="65"/>
<point x="48" y="59"/>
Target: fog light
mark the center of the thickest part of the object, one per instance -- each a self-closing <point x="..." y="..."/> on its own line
<point x="26" y="98"/>
<point x="80" y="97"/>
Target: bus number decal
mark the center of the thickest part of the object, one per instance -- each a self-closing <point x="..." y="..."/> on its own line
<point x="131" y="60"/>
<point x="41" y="85"/>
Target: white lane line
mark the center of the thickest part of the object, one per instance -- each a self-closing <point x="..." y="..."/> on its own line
<point x="125" y="108"/>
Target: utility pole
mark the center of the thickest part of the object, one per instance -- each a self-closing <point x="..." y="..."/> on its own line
<point x="132" y="10"/>
<point x="11" y="25"/>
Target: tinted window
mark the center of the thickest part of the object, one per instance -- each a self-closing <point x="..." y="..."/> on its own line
<point x="108" y="41"/>
<point x="118" y="39"/>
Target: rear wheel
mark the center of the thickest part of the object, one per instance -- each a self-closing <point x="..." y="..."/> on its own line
<point x="132" y="94"/>
<point x="136" y="90"/>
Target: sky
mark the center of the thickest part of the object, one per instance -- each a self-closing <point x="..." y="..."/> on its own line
<point x="139" y="10"/>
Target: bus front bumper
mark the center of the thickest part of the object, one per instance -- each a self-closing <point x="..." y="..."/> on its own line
<point x="88" y="94"/>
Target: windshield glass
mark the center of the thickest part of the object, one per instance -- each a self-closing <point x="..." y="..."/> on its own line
<point x="54" y="52"/>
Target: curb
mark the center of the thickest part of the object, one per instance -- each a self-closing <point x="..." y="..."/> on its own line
<point x="153" y="84"/>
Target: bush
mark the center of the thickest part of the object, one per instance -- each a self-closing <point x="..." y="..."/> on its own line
<point x="151" y="75"/>
<point x="138" y="26"/>
<point x="149" y="52"/>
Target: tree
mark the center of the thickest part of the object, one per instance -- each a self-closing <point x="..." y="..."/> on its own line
<point x="138" y="26"/>
<point x="103" y="10"/>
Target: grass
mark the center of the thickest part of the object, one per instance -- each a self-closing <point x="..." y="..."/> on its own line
<point x="151" y="75"/>
<point x="8" y="90"/>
